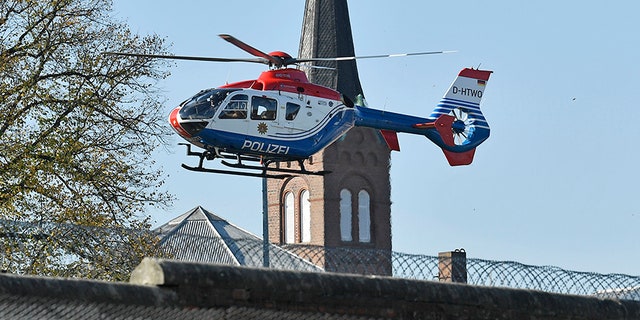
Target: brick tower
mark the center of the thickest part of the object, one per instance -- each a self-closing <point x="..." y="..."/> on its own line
<point x="350" y="208"/>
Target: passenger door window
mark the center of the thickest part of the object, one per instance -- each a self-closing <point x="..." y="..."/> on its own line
<point x="236" y="108"/>
<point x="291" y="111"/>
<point x="263" y="108"/>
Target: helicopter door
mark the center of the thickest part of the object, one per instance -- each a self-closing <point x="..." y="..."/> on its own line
<point x="263" y="115"/>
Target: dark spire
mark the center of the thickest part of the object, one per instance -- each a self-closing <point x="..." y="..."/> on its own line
<point x="326" y="32"/>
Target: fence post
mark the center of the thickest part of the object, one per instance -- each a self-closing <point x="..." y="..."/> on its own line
<point x="452" y="266"/>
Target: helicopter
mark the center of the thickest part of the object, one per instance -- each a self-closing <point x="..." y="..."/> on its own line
<point x="282" y="116"/>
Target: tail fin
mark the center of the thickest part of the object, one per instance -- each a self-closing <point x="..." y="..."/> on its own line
<point x="389" y="136"/>
<point x="458" y="119"/>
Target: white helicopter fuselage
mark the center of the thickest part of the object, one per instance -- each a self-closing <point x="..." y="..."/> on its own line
<point x="246" y="121"/>
<point x="282" y="117"/>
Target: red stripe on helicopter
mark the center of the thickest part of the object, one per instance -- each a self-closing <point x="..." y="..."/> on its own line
<point x="475" y="74"/>
<point x="426" y="125"/>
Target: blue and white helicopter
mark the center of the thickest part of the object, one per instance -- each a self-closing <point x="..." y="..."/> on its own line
<point x="281" y="116"/>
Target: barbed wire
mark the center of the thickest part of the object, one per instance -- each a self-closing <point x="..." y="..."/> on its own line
<point x="250" y="252"/>
<point x="479" y="272"/>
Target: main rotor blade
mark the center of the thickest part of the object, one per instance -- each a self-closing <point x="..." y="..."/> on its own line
<point x="192" y="58"/>
<point x="374" y="56"/>
<point x="251" y="50"/>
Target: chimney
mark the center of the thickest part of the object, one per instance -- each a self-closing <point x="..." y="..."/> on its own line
<point x="452" y="266"/>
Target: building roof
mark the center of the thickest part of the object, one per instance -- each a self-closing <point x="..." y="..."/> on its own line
<point x="201" y="236"/>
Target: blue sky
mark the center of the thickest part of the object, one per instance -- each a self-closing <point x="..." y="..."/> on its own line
<point x="555" y="184"/>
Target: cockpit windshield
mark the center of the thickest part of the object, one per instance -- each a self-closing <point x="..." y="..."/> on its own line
<point x="204" y="104"/>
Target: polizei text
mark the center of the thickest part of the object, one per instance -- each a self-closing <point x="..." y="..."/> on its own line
<point x="262" y="147"/>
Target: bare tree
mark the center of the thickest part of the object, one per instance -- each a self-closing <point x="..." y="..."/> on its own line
<point x="77" y="132"/>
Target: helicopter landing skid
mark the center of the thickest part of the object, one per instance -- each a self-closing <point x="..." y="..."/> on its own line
<point x="302" y="169"/>
<point x="262" y="174"/>
<point x="262" y="171"/>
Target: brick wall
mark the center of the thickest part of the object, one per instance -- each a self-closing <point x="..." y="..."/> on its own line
<point x="357" y="161"/>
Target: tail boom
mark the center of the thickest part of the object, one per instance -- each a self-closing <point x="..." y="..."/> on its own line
<point x="456" y="125"/>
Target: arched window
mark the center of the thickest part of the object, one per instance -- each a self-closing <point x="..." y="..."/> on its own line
<point x="345" y="215"/>
<point x="289" y="219"/>
<point x="364" y="217"/>
<point x="305" y="217"/>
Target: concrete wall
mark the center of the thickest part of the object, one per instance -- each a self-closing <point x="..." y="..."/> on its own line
<point x="163" y="289"/>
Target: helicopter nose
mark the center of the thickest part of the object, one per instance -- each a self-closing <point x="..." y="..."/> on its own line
<point x="175" y="123"/>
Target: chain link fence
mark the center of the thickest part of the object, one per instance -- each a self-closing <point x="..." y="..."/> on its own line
<point x="250" y="252"/>
<point x="479" y="272"/>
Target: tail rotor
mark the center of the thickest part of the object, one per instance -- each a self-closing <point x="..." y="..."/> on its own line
<point x="461" y="126"/>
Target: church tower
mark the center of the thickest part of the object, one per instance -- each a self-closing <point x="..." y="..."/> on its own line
<point x="349" y="208"/>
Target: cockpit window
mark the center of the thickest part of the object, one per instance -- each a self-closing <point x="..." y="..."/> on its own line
<point x="263" y="108"/>
<point x="236" y="108"/>
<point x="204" y="104"/>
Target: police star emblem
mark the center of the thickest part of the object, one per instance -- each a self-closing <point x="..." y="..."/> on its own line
<point x="262" y="128"/>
